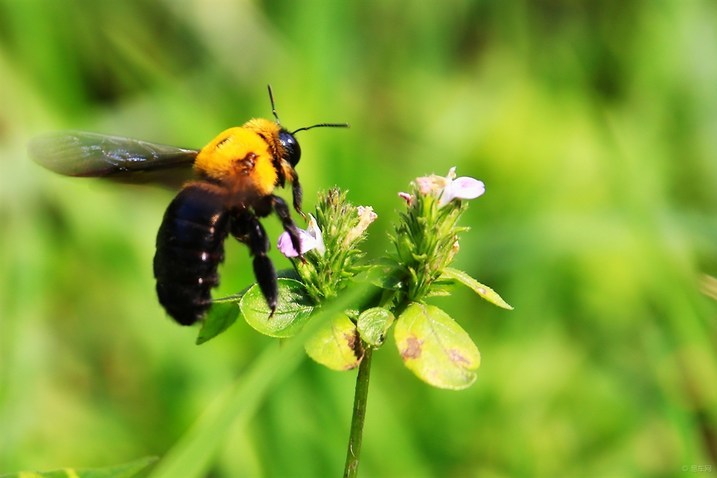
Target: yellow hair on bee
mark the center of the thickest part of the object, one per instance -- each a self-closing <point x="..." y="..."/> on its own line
<point x="243" y="158"/>
<point x="270" y="130"/>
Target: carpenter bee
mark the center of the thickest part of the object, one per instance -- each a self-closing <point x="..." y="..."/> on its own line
<point x="233" y="183"/>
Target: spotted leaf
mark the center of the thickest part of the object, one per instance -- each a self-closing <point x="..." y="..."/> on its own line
<point x="337" y="345"/>
<point x="435" y="348"/>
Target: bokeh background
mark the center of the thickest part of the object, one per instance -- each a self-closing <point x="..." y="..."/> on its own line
<point x="593" y="125"/>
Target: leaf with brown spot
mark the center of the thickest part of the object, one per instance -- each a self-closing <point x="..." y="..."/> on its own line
<point x="337" y="345"/>
<point x="413" y="348"/>
<point x="435" y="347"/>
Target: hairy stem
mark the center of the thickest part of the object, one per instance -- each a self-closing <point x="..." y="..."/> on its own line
<point x="359" y="414"/>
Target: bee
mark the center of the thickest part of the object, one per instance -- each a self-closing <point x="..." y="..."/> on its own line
<point x="231" y="184"/>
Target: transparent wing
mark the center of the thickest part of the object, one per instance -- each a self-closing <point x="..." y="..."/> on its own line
<point x="83" y="154"/>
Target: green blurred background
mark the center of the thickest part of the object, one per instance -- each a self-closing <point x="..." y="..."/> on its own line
<point x="593" y="125"/>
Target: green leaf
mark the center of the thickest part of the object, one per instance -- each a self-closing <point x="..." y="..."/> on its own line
<point x="482" y="290"/>
<point x="373" y="324"/>
<point x="220" y="317"/>
<point x="337" y="345"/>
<point x="435" y="347"/>
<point x="125" y="470"/>
<point x="293" y="309"/>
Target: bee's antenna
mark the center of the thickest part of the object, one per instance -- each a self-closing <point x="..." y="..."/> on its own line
<point x="273" y="107"/>
<point x="322" y="125"/>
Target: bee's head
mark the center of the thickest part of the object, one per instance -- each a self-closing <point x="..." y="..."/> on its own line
<point x="291" y="147"/>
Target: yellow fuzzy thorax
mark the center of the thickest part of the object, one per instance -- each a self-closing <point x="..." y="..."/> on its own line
<point x="243" y="157"/>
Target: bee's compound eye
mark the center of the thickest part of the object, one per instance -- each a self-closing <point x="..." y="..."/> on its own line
<point x="291" y="146"/>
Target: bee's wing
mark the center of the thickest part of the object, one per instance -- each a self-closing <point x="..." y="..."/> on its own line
<point x="83" y="154"/>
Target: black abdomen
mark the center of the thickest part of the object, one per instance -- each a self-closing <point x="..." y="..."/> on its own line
<point x="190" y="247"/>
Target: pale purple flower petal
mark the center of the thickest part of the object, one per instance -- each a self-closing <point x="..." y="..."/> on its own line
<point x="460" y="188"/>
<point x="309" y="239"/>
<point x="285" y="246"/>
<point x="467" y="188"/>
<point x="406" y="197"/>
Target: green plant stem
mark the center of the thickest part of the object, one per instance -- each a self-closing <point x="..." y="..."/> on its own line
<point x="353" y="452"/>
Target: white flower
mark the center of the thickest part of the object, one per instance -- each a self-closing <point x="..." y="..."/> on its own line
<point x="309" y="239"/>
<point x="449" y="188"/>
<point x="366" y="217"/>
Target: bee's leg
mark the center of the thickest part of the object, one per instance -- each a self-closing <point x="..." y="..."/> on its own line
<point x="247" y="229"/>
<point x="297" y="193"/>
<point x="282" y="210"/>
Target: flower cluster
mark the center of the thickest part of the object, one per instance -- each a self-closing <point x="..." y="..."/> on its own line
<point x="330" y="243"/>
<point x="426" y="238"/>
<point x="447" y="188"/>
